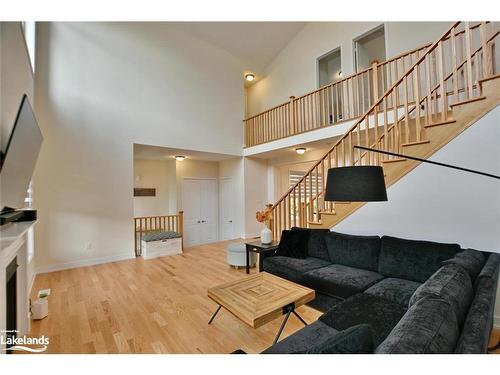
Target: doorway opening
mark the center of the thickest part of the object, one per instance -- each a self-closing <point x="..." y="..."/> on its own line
<point x="369" y="47"/>
<point x="329" y="67"/>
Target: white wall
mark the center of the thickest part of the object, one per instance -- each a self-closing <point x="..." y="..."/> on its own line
<point x="100" y="87"/>
<point x="233" y="168"/>
<point x="444" y="205"/>
<point x="256" y="193"/>
<point x="294" y="70"/>
<point x="152" y="174"/>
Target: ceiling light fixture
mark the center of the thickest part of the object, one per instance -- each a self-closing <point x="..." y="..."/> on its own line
<point x="249" y="77"/>
<point x="300" y="150"/>
<point x="180" y="157"/>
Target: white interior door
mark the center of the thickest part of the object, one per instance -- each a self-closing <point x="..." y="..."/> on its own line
<point x="209" y="210"/>
<point x="227" y="209"/>
<point x="191" y="204"/>
<point x="199" y="202"/>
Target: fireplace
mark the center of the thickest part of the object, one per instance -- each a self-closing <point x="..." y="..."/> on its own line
<point x="11" y="299"/>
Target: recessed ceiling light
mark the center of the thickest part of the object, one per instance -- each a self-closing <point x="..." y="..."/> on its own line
<point x="249" y="77"/>
<point x="180" y="157"/>
<point x="300" y="150"/>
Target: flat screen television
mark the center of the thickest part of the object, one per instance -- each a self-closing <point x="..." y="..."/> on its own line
<point x="18" y="160"/>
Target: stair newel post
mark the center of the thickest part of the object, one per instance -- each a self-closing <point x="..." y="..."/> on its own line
<point x="291" y="114"/>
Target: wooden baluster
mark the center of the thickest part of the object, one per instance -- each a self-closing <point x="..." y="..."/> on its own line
<point x="386" y="126"/>
<point x="416" y="92"/>
<point x="395" y="119"/>
<point x="429" y="88"/>
<point x="485" y="50"/>
<point x="358" y="139"/>
<point x="442" y="88"/>
<point x="295" y="212"/>
<point x="407" y="119"/>
<point x="453" y="57"/>
<point x="299" y="211"/>
<point x="317" y="194"/>
<point x="351" y="150"/>
<point x="468" y="61"/>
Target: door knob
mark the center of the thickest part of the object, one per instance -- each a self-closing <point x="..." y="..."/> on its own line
<point x="198" y="222"/>
<point x="230" y="221"/>
<point x="203" y="221"/>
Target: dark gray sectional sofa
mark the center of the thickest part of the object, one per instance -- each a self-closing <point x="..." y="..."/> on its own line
<point x="387" y="294"/>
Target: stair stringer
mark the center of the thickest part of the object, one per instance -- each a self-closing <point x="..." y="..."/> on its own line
<point x="465" y="115"/>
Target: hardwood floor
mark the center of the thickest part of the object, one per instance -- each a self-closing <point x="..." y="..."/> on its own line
<point x="153" y="306"/>
<point x="150" y="306"/>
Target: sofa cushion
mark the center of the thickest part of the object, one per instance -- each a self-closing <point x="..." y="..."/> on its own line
<point x="293" y="244"/>
<point x="381" y="314"/>
<point x="353" y="340"/>
<point x="292" y="269"/>
<point x="470" y="260"/>
<point x="304" y="339"/>
<point x="412" y="260"/>
<point x="429" y="326"/>
<point x="340" y="281"/>
<point x="395" y="290"/>
<point x="316" y="245"/>
<point x="353" y="251"/>
<point x="451" y="283"/>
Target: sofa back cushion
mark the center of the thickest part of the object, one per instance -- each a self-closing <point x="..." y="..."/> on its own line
<point x="353" y="340"/>
<point x="353" y="251"/>
<point x="451" y="283"/>
<point x="429" y="326"/>
<point x="293" y="244"/>
<point x="470" y="260"/>
<point x="316" y="245"/>
<point x="412" y="260"/>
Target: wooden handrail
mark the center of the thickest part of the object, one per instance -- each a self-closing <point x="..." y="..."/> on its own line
<point x="419" y="98"/>
<point x="163" y="223"/>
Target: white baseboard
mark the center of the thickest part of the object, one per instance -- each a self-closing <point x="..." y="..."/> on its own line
<point x="84" y="263"/>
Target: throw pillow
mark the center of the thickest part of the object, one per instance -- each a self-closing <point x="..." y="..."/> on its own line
<point x="293" y="243"/>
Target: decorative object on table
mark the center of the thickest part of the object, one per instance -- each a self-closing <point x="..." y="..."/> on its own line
<point x="266" y="235"/>
<point x="236" y="256"/>
<point x="257" y="247"/>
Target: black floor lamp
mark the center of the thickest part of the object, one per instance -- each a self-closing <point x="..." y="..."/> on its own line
<point x="366" y="183"/>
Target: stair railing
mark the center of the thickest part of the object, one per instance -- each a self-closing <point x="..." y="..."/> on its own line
<point x="447" y="74"/>
<point x="340" y="101"/>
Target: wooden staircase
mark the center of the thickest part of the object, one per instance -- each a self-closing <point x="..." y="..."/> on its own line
<point x="445" y="91"/>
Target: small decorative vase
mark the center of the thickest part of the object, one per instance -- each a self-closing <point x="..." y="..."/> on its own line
<point x="266" y="236"/>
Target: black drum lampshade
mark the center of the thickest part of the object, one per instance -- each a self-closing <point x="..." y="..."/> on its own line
<point x="356" y="184"/>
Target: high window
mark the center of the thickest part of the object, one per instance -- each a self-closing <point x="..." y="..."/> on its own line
<point x="29" y="30"/>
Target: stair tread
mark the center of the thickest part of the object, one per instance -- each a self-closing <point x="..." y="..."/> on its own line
<point x="327" y="213"/>
<point x="451" y="121"/>
<point x="416" y="143"/>
<point x="468" y="101"/>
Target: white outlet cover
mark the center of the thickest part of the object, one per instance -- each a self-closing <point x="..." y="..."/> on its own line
<point x="44" y="292"/>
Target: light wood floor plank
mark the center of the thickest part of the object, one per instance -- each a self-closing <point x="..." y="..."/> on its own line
<point x="150" y="306"/>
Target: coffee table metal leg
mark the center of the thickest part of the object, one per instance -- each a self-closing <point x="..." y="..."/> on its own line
<point x="283" y="323"/>
<point x="299" y="317"/>
<point x="215" y="314"/>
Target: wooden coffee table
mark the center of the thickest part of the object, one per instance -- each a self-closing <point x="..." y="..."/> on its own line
<point x="261" y="298"/>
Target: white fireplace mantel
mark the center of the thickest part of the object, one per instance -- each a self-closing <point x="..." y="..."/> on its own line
<point x="14" y="243"/>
